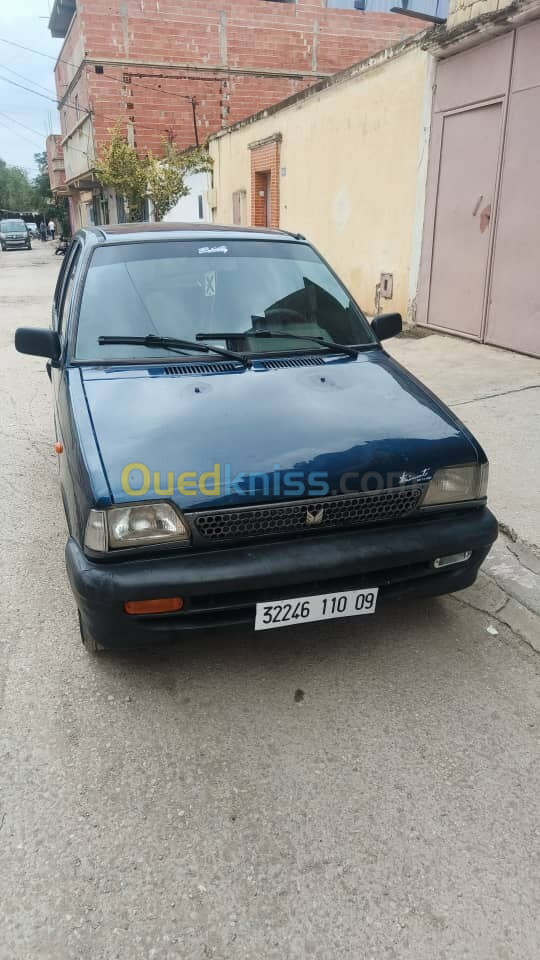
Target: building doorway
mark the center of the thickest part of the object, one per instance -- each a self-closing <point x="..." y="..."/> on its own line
<point x="265" y="172"/>
<point x="263" y="198"/>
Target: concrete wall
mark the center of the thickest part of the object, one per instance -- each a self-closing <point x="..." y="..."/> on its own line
<point x="55" y="163"/>
<point x="79" y="152"/>
<point x="187" y="209"/>
<point x="461" y="10"/>
<point x="352" y="171"/>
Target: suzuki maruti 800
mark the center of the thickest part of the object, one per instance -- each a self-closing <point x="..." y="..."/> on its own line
<point x="236" y="446"/>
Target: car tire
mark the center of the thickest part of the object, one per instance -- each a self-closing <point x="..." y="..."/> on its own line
<point x="90" y="644"/>
<point x="4" y="248"/>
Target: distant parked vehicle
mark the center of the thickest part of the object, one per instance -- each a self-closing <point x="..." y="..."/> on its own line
<point x="13" y="234"/>
<point x="32" y="228"/>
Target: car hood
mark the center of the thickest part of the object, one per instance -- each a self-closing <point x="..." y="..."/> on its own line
<point x="360" y="419"/>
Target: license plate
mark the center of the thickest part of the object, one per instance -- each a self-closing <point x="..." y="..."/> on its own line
<point x="326" y="606"/>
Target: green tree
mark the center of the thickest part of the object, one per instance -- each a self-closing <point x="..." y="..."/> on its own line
<point x="16" y="191"/>
<point x="167" y="176"/>
<point x="161" y="179"/>
<point x="121" y="168"/>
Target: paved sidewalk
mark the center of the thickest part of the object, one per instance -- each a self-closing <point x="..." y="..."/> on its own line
<point x="497" y="395"/>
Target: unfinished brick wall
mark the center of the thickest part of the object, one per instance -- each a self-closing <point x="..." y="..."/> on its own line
<point x="159" y="108"/>
<point x="234" y="57"/>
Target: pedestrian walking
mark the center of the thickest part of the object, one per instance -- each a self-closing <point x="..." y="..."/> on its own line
<point x="43" y="230"/>
<point x="52" y="228"/>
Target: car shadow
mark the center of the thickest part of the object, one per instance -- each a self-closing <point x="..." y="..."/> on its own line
<point x="233" y="654"/>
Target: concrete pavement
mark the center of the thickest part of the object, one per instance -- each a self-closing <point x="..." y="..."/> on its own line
<point x="497" y="394"/>
<point x="190" y="802"/>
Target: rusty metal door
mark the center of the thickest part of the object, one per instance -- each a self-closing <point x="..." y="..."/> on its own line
<point x="461" y="240"/>
<point x="514" y="302"/>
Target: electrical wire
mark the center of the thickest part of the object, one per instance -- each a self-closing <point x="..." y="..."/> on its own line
<point x="21" y="76"/>
<point x="42" y="95"/>
<point x="74" y="106"/>
<point x="87" y="112"/>
<point x="19" y="124"/>
<point x="18" y="134"/>
<point x="60" y="103"/>
<point x="134" y="83"/>
<point x="33" y="130"/>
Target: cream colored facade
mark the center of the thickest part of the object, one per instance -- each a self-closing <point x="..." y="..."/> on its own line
<point x="461" y="10"/>
<point x="352" y="171"/>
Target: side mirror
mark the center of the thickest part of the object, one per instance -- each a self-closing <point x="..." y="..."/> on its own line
<point x="38" y="342"/>
<point x="387" y="325"/>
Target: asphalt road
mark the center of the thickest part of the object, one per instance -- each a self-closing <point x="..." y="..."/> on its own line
<point x="192" y="803"/>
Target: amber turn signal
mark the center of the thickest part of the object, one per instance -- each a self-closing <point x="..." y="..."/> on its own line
<point x="165" y="605"/>
<point x="59" y="447"/>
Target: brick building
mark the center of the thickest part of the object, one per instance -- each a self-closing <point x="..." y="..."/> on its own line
<point x="184" y="69"/>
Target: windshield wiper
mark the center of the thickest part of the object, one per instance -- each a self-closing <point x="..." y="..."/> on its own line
<point x="269" y="334"/>
<point x="170" y="343"/>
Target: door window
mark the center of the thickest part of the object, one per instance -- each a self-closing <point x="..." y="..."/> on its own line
<point x="58" y="289"/>
<point x="67" y="291"/>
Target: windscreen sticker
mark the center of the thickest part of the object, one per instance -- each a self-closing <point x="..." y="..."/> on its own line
<point x="222" y="249"/>
<point x="210" y="283"/>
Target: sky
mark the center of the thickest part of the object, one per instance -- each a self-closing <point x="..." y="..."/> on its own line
<point x="25" y="21"/>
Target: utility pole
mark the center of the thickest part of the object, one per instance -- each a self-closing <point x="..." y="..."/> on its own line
<point x="168" y="76"/>
<point x="195" y="130"/>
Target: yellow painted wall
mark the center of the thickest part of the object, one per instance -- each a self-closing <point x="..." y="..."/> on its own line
<point x="352" y="158"/>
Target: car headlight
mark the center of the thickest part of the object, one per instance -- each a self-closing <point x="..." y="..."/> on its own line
<point x="136" y="525"/>
<point x="455" y="484"/>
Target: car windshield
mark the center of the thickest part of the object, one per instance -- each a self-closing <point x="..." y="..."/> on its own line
<point x="240" y="287"/>
<point x="12" y="226"/>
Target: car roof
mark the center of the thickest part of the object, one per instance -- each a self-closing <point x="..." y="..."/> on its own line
<point x="126" y="232"/>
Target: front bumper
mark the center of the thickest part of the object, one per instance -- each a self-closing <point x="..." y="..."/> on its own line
<point x="221" y="586"/>
<point x="20" y="242"/>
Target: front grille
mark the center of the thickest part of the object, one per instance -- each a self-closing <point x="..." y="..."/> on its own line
<point x="306" y="516"/>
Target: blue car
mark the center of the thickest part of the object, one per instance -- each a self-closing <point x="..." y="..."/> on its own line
<point x="236" y="446"/>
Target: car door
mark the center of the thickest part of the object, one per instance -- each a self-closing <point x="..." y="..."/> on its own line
<point x="62" y="303"/>
<point x="62" y="300"/>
